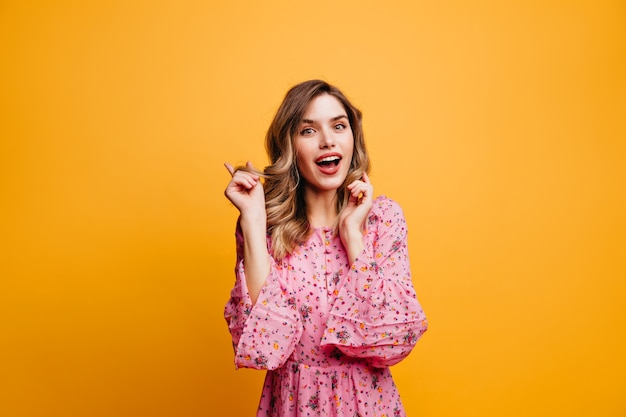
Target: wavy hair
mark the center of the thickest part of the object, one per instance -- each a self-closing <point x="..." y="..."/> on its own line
<point x="287" y="221"/>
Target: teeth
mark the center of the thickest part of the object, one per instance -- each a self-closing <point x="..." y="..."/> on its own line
<point x="329" y="159"/>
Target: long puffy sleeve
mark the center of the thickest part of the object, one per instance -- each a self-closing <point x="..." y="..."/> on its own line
<point x="376" y="314"/>
<point x="264" y="334"/>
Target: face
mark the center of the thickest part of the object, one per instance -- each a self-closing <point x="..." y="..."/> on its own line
<point x="324" y="145"/>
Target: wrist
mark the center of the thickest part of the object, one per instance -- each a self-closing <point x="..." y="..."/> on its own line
<point x="351" y="231"/>
<point x="254" y="220"/>
<point x="352" y="240"/>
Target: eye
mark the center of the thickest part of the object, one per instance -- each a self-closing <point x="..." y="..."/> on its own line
<point x="340" y="126"/>
<point x="307" y="131"/>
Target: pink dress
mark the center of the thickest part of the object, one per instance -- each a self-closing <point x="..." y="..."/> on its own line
<point x="327" y="331"/>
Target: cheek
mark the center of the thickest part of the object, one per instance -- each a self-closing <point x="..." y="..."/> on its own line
<point x="350" y="148"/>
<point x="300" y="160"/>
<point x="302" y="165"/>
<point x="303" y="153"/>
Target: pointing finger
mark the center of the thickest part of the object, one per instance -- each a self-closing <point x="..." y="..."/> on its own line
<point x="230" y="168"/>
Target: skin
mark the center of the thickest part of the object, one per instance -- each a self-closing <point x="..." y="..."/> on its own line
<point x="324" y="130"/>
<point x="245" y="191"/>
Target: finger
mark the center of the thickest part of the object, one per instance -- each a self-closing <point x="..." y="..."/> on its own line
<point x="363" y="192"/>
<point x="246" y="175"/>
<point x="366" y="178"/>
<point x="360" y="186"/>
<point x="253" y="169"/>
<point x="243" y="181"/>
<point x="230" y="168"/>
<point x="354" y="183"/>
<point x="358" y="192"/>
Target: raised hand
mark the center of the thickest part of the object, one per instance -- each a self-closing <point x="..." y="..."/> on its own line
<point x="245" y="191"/>
<point x="352" y="218"/>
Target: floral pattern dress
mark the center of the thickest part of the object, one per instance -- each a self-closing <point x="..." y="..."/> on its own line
<point x="327" y="330"/>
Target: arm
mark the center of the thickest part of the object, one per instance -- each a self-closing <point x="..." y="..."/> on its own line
<point x="256" y="259"/>
<point x="246" y="192"/>
<point x="263" y="323"/>
<point x="376" y="314"/>
<point x="352" y="218"/>
<point x="265" y="333"/>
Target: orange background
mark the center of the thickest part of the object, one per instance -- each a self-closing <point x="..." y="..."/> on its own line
<point x="500" y="127"/>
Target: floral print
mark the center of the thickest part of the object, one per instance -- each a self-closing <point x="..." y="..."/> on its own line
<point x="327" y="330"/>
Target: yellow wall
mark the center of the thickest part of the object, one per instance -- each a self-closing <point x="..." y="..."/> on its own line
<point x="499" y="126"/>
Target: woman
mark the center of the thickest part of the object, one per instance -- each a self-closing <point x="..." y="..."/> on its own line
<point x="323" y="297"/>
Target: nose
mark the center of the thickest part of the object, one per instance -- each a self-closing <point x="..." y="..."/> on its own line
<point x="326" y="139"/>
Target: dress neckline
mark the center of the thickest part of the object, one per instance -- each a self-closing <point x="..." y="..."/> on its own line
<point x="323" y="231"/>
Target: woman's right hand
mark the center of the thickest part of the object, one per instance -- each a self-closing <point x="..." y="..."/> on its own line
<point x="245" y="191"/>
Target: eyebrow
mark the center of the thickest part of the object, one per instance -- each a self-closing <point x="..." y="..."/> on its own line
<point x="334" y="119"/>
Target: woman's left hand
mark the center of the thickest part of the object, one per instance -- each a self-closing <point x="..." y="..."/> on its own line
<point x="352" y="218"/>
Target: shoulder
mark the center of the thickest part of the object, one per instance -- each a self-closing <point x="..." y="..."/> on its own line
<point x="386" y="225"/>
<point x="385" y="207"/>
<point x="385" y="211"/>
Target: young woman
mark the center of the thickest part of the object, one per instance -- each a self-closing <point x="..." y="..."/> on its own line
<point x="323" y="297"/>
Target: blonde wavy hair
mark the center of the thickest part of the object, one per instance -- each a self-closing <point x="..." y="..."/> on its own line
<point x="287" y="221"/>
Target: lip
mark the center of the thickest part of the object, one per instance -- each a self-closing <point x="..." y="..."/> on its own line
<point x="329" y="169"/>
<point x="326" y="155"/>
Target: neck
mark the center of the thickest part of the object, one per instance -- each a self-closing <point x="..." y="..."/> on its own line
<point x="321" y="208"/>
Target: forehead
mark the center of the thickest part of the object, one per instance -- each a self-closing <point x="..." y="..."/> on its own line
<point x="324" y="107"/>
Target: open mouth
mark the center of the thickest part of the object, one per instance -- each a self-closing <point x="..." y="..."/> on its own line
<point x="328" y="161"/>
